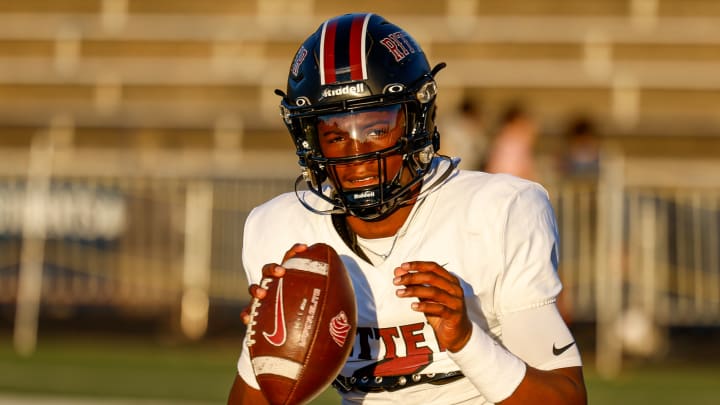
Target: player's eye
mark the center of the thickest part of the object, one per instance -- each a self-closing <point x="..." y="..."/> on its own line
<point x="377" y="132"/>
<point x="334" y="137"/>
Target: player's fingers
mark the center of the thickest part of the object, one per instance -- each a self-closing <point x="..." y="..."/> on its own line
<point x="273" y="270"/>
<point x="436" y="309"/>
<point x="245" y="316"/>
<point x="256" y="291"/>
<point x="432" y="294"/>
<point x="268" y="270"/>
<point x="425" y="267"/>
<point x="448" y="285"/>
<point x="294" y="250"/>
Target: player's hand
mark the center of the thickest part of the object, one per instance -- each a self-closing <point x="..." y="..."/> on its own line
<point x="269" y="270"/>
<point x="441" y="299"/>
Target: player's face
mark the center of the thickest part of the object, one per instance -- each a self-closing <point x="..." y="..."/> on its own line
<point x="358" y="133"/>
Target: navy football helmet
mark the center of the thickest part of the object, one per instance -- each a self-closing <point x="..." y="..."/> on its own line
<point x="352" y="64"/>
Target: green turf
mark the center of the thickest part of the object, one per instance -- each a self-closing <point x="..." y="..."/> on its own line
<point x="115" y="368"/>
<point x="660" y="384"/>
<point x="105" y="367"/>
<point x="145" y="368"/>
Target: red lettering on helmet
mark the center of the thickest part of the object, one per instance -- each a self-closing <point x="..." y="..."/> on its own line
<point x="398" y="45"/>
<point x="299" y="58"/>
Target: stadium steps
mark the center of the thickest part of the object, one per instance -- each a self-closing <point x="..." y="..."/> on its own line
<point x="182" y="72"/>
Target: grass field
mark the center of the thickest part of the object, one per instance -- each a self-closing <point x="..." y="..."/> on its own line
<point x="103" y="368"/>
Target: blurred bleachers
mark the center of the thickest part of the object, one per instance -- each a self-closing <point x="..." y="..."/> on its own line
<point x="170" y="73"/>
<point x="165" y="108"/>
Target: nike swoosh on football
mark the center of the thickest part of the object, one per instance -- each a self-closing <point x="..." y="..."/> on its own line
<point x="560" y="350"/>
<point x="277" y="338"/>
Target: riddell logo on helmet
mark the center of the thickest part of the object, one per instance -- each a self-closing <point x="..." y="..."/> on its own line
<point x="354" y="89"/>
<point x="364" y="194"/>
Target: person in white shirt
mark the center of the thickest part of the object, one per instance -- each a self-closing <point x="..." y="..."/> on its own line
<point x="454" y="271"/>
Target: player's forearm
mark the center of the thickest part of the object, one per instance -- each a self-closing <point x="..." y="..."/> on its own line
<point x="494" y="371"/>
<point x="502" y="377"/>
<point x="561" y="386"/>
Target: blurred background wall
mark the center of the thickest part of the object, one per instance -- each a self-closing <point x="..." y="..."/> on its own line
<point x="136" y="135"/>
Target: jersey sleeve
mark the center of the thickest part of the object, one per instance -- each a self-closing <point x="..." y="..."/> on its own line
<point x="251" y="251"/>
<point x="253" y="274"/>
<point x="552" y="345"/>
<point x="530" y="253"/>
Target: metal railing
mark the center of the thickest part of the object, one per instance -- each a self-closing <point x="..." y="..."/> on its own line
<point x="159" y="235"/>
<point x="640" y="249"/>
<point x="657" y="252"/>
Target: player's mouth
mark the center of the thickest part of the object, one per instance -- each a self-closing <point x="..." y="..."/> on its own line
<point x="361" y="181"/>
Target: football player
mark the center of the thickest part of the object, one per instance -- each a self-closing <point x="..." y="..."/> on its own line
<point x="455" y="272"/>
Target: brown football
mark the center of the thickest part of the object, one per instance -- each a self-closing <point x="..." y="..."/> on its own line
<point x="301" y="333"/>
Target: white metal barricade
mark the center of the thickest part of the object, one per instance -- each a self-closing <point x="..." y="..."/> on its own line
<point x="163" y="235"/>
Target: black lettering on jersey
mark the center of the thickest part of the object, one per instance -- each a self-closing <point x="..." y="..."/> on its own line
<point x="364" y="335"/>
<point x="409" y="339"/>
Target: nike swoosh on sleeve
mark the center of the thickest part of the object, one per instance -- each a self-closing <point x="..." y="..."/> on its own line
<point x="560" y="350"/>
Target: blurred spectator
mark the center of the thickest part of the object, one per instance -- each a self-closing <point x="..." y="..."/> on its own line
<point x="512" y="149"/>
<point x="463" y="135"/>
<point x="581" y="155"/>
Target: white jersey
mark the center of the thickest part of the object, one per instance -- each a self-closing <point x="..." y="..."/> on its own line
<point x="496" y="233"/>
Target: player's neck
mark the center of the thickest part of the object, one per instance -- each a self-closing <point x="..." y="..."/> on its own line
<point x="384" y="228"/>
